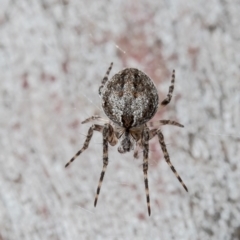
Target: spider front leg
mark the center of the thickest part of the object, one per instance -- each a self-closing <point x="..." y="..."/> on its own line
<point x="167" y="158"/>
<point x="105" y="134"/>
<point x="135" y="154"/>
<point x="94" y="127"/>
<point x="145" y="143"/>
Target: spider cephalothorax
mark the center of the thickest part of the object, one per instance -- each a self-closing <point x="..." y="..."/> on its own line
<point x="130" y="100"/>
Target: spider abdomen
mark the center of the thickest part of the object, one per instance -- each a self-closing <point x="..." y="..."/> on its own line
<point x="130" y="98"/>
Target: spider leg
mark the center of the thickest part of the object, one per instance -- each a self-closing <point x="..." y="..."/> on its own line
<point x="105" y="78"/>
<point x="105" y="160"/>
<point x="167" y="158"/>
<point x="112" y="138"/>
<point x="135" y="154"/>
<point x="94" y="127"/>
<point x="93" y="118"/>
<point x="164" y="122"/>
<point x="152" y="133"/>
<point x="170" y="122"/>
<point x="170" y="91"/>
<point x="145" y="142"/>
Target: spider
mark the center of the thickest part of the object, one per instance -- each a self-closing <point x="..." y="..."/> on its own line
<point x="130" y="100"/>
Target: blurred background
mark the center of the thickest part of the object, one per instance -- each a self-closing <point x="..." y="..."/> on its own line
<point x="53" y="56"/>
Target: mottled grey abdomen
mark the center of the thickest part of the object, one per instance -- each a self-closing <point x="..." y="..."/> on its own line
<point x="130" y="98"/>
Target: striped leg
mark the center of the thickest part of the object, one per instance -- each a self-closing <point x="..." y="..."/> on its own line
<point x="152" y="133"/>
<point x="166" y="156"/>
<point x="105" y="160"/>
<point x="145" y="142"/>
<point x="93" y="118"/>
<point x="105" y="78"/>
<point x="170" y="122"/>
<point x="157" y="124"/>
<point x="94" y="127"/>
<point x="170" y="91"/>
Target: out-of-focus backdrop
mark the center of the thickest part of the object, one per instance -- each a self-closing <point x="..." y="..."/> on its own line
<point x="53" y="55"/>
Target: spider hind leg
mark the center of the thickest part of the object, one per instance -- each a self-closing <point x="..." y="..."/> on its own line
<point x="105" y="161"/>
<point x="94" y="127"/>
<point x="145" y="142"/>
<point x="167" y="158"/>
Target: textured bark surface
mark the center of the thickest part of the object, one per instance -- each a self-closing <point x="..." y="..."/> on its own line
<point x="53" y="56"/>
